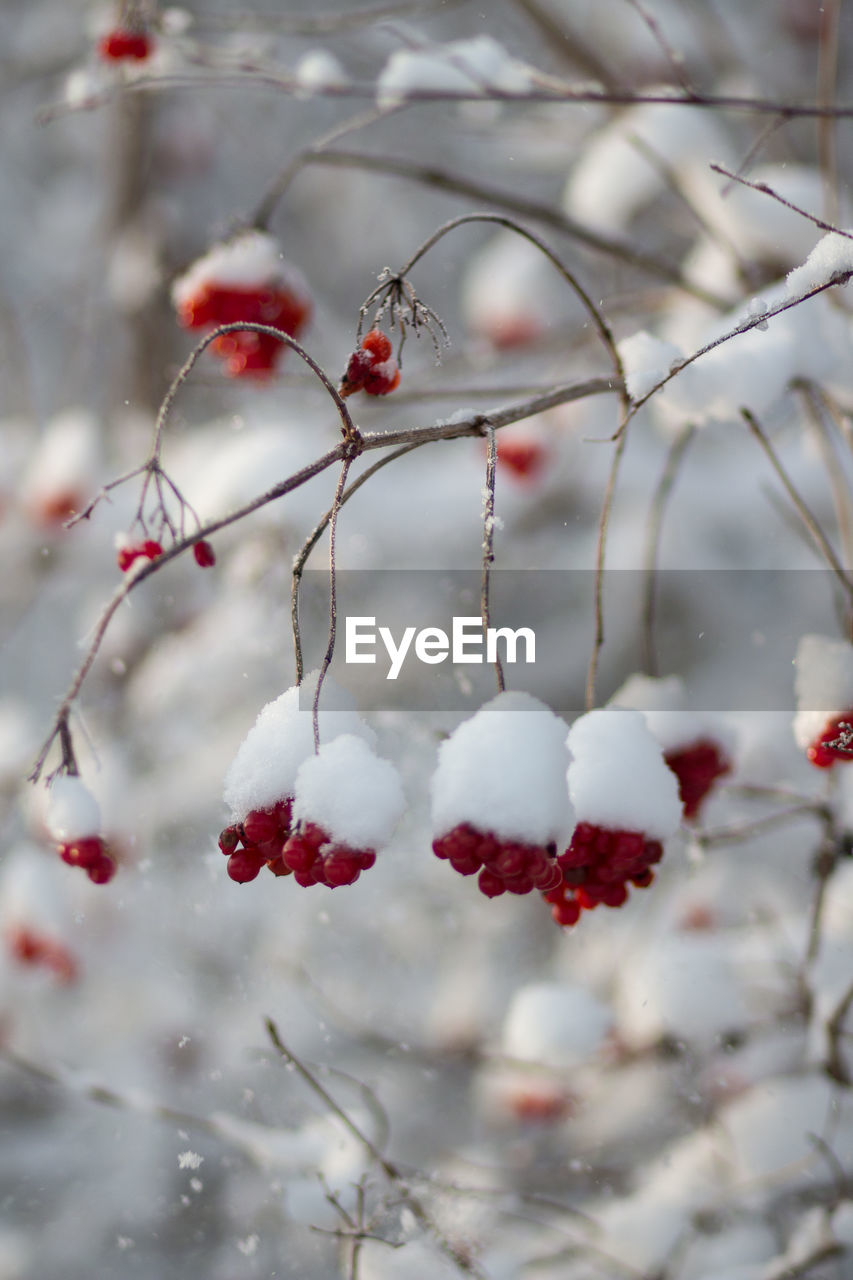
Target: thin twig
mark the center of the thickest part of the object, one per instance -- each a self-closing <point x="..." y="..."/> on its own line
<point x="442" y="180"/>
<point x="834" y="473"/>
<point x="489" y="546"/>
<point x="462" y="1259"/>
<point x="836" y="1066"/>
<point x="601" y="546"/>
<point x="413" y="437"/>
<point x="808" y="519"/>
<point x="333" y="599"/>
<point x="654" y="526"/>
<point x="766" y="190"/>
<point x="675" y="60"/>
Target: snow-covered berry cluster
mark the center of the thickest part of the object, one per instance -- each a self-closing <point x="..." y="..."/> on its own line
<point x="244" y="280"/>
<point x="500" y="804"/>
<point x="697" y="748"/>
<point x="320" y="816"/>
<point x="74" y="822"/>
<point x="257" y="842"/>
<point x="823" y="725"/>
<point x="627" y="804"/>
<point x="371" y="367"/>
<point x="124" y="44"/>
<point x="129" y="553"/>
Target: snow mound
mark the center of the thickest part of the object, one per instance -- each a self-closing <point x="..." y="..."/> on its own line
<point x="479" y="65"/>
<point x="554" y="1024"/>
<point x="504" y="771"/>
<point x="72" y="810"/>
<point x="351" y="793"/>
<point x="618" y="778"/>
<point x="266" y="764"/>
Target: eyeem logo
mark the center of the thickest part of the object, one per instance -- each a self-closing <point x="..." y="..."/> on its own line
<point x="433" y="645"/>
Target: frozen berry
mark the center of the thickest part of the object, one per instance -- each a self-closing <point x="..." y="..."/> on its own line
<point x="229" y="839"/>
<point x="121" y="45"/>
<point x="102" y="870"/>
<point x="244" y="865"/>
<point x="341" y="866"/>
<point x="697" y="768"/>
<point x="205" y="556"/>
<point x="378" y="344"/>
<point x="259" y="826"/>
<point x="835" y="743"/>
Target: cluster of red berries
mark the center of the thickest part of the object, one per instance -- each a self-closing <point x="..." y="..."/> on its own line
<point x="257" y="842"/>
<point x="28" y="947"/>
<point x="504" y="866"/>
<point x="127" y="556"/>
<point x="697" y="768"/>
<point x="150" y="549"/>
<point x="371" y="368"/>
<point x="93" y="855"/>
<point x="247" y="354"/>
<point x="122" y="45"/>
<point x="597" y="868"/>
<point x="838" y="732"/>
<point x="264" y="839"/>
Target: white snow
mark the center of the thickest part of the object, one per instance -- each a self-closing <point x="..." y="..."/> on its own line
<point x="554" y="1024"/>
<point x="684" y="986"/>
<point x="266" y="764"/>
<point x="479" y="65"/>
<point x="663" y="702"/>
<point x="72" y="810"/>
<point x="66" y="461"/>
<point x="504" y="288"/>
<point x="318" y="69"/>
<point x="831" y="256"/>
<point x="351" y="793"/>
<point x="770" y="1127"/>
<point x="823" y="685"/>
<point x="618" y="778"/>
<point x="248" y="260"/>
<point x="30" y="894"/>
<point x="647" y="360"/>
<point x="504" y="771"/>
<point x="622" y="166"/>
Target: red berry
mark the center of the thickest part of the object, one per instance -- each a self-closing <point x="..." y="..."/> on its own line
<point x="490" y="884"/>
<point x="341" y="866"/>
<point x="697" y="768"/>
<point x="511" y="860"/>
<point x="122" y="45"/>
<point x="205" y="556"/>
<point x="382" y="378"/>
<point x="367" y="859"/>
<point x="305" y="878"/>
<point x="102" y="871"/>
<point x="298" y="854"/>
<point x="378" y="344"/>
<point x="244" y="865"/>
<point x="126" y="557"/>
<point x="467" y="864"/>
<point x="86" y="852"/>
<point x="260" y="826"/>
<point x="151" y="548"/>
<point x="229" y="839"/>
<point x="824" y="756"/>
<point x="278" y="867"/>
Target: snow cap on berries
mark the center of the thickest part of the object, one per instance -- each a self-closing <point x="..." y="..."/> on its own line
<point x="554" y="1024"/>
<point x="618" y="778"/>
<point x="504" y="771"/>
<point x="72" y="810"/>
<point x="354" y="795"/>
<point x="823" y="685"/>
<point x="249" y="260"/>
<point x="265" y="767"/>
<point x="663" y="702"/>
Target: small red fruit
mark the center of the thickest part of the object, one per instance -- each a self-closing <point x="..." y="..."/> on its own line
<point x="122" y="45"/>
<point x="524" y="458"/>
<point x="243" y="866"/>
<point x="697" y="768"/>
<point x="824" y="756"/>
<point x="378" y="344"/>
<point x="205" y="556"/>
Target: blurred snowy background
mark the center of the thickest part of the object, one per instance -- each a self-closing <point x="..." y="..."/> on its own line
<point x="660" y="1091"/>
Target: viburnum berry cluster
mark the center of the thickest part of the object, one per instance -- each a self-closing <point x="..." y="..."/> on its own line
<point x="124" y="44"/>
<point x="371" y="367"/>
<point x="244" y="280"/>
<point x="129" y="553"/>
<point x="500" y="803"/>
<point x="823" y="725"/>
<point x="74" y="821"/>
<point x="697" y="748"/>
<point x="334" y="808"/>
<point x="627" y="804"/>
<point x="257" y="842"/>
